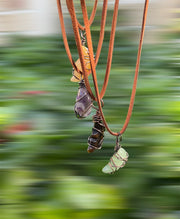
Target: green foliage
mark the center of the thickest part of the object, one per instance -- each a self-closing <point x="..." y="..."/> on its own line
<point x="46" y="172"/>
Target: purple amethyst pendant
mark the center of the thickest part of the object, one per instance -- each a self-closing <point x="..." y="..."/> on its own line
<point x="83" y="104"/>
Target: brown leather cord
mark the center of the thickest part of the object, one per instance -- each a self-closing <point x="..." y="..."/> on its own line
<point x="91" y="18"/>
<point x="89" y="42"/>
<point x="103" y="21"/>
<point x="131" y="104"/>
<point x="90" y="47"/>
<point x="111" y="43"/>
<point x="65" y="37"/>
<point x="111" y="47"/>
<point x="70" y="6"/>
<point x="92" y="61"/>
<point x="101" y="37"/>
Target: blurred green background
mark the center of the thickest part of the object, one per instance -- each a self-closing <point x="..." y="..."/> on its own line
<point x="45" y="171"/>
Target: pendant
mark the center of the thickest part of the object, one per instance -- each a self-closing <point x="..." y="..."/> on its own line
<point x="77" y="77"/>
<point x="83" y="103"/>
<point x="95" y="140"/>
<point x="117" y="161"/>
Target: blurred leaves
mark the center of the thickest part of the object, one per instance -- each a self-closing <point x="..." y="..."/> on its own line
<point x="46" y="172"/>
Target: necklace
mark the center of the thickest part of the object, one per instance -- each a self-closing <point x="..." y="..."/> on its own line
<point x="86" y="64"/>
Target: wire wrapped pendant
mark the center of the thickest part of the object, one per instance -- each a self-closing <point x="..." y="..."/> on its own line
<point x="117" y="161"/>
<point x="95" y="140"/>
<point x="83" y="103"/>
<point x="77" y="77"/>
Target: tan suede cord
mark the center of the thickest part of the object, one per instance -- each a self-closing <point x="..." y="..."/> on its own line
<point x="70" y="6"/>
<point x="91" y="18"/>
<point x="93" y="62"/>
<point x="65" y="37"/>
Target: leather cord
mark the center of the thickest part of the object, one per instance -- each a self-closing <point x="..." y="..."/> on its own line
<point x="71" y="9"/>
<point x="89" y="41"/>
<point x="91" y="17"/>
<point x="63" y="30"/>
<point x="70" y="6"/>
<point x="101" y="37"/>
<point x="109" y="60"/>
<point x="111" y="47"/>
<point x="103" y="21"/>
<point x="131" y="104"/>
<point x="90" y="47"/>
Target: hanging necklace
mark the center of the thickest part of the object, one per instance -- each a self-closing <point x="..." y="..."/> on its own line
<point x="86" y="64"/>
